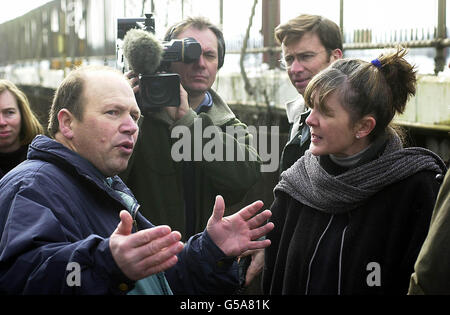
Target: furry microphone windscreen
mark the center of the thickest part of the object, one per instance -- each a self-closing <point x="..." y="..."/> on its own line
<point x="143" y="51"/>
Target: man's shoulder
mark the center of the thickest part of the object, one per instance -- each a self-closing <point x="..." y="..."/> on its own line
<point x="32" y="178"/>
<point x="32" y="172"/>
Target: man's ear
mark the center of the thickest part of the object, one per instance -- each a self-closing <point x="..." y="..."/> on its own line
<point x="66" y="119"/>
<point x="365" y="126"/>
<point x="336" y="54"/>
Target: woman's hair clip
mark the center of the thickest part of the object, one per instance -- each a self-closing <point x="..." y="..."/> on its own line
<point x="376" y="63"/>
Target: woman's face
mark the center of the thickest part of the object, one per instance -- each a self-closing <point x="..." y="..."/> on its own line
<point x="333" y="132"/>
<point x="10" y="123"/>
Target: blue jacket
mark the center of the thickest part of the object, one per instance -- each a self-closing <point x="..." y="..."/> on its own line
<point x="56" y="208"/>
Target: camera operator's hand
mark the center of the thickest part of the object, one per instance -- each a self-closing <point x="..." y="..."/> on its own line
<point x="177" y="113"/>
<point x="133" y="78"/>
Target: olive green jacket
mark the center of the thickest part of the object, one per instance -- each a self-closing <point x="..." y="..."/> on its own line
<point x="156" y="179"/>
<point x="432" y="269"/>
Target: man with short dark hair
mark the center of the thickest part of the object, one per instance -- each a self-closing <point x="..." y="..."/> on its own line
<point x="309" y="43"/>
<point x="63" y="229"/>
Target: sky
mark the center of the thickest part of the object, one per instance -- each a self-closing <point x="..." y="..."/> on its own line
<point x="12" y="9"/>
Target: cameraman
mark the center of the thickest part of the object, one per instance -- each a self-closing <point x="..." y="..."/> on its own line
<point x="182" y="194"/>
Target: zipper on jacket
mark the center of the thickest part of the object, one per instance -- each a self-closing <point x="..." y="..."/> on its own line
<point x="340" y="259"/>
<point x="162" y="283"/>
<point x="315" y="252"/>
<point x="134" y="214"/>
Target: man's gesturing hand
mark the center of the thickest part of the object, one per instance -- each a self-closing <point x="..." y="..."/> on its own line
<point x="146" y="252"/>
<point x="237" y="233"/>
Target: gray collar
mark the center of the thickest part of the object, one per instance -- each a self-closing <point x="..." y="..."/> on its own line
<point x="349" y="161"/>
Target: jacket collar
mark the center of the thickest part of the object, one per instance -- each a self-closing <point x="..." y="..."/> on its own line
<point x="50" y="150"/>
<point x="294" y="109"/>
<point x="220" y="112"/>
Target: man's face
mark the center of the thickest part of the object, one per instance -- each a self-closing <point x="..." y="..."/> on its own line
<point x="199" y="76"/>
<point x="305" y="58"/>
<point x="107" y="133"/>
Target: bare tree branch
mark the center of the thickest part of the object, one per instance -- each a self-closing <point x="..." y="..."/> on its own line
<point x="143" y="7"/>
<point x="248" y="87"/>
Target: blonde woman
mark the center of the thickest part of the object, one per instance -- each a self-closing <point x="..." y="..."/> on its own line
<point x="18" y="126"/>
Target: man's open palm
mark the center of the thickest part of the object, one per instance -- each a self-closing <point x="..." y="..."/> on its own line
<point x="239" y="232"/>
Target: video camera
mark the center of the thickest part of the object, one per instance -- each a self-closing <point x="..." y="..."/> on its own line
<point x="157" y="89"/>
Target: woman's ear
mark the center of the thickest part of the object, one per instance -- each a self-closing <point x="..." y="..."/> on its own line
<point x="65" y="119"/>
<point x="365" y="126"/>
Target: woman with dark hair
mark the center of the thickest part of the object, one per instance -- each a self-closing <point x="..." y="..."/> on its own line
<point x="18" y="126"/>
<point x="351" y="215"/>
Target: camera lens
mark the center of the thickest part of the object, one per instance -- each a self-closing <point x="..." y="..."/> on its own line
<point x="157" y="93"/>
<point x="159" y="90"/>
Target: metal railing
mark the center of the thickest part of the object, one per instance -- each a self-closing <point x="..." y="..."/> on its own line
<point x="367" y="39"/>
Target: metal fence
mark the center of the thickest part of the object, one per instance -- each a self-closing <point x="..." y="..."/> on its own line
<point x="361" y="39"/>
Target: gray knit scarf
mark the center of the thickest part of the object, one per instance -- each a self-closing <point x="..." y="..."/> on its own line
<point x="307" y="182"/>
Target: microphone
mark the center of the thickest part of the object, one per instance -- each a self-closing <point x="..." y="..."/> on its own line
<point x="143" y="51"/>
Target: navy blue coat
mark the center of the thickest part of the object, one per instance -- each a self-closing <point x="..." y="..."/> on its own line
<point x="56" y="208"/>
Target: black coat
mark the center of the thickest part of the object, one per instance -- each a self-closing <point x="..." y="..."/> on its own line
<point x="296" y="146"/>
<point x="369" y="250"/>
<point x="10" y="160"/>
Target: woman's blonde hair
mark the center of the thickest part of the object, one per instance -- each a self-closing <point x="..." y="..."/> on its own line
<point x="30" y="125"/>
